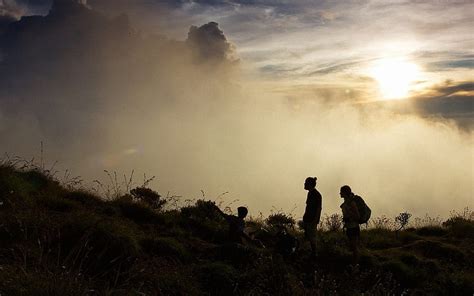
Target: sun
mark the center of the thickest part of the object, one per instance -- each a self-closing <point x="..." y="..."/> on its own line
<point x="395" y="77"/>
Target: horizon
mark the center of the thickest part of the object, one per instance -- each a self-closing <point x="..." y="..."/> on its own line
<point x="249" y="97"/>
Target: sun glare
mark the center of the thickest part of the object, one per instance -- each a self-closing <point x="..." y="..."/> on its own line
<point x="395" y="77"/>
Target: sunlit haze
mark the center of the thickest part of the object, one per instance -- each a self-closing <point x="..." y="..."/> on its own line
<point x="248" y="97"/>
<point x="395" y="77"/>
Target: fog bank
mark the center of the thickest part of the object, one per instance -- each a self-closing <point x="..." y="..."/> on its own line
<point x="101" y="95"/>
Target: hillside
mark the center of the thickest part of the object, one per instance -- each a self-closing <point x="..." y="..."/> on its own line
<point x="57" y="240"/>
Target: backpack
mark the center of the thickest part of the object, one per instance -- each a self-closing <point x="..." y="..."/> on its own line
<point x="364" y="210"/>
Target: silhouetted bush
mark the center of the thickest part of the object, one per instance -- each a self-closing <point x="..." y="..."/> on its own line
<point x="280" y="219"/>
<point x="138" y="212"/>
<point x="408" y="237"/>
<point x="431" y="231"/>
<point x="204" y="221"/>
<point x="104" y="242"/>
<point x="39" y="180"/>
<point x="148" y="196"/>
<point x="460" y="227"/>
<point x="237" y="254"/>
<point x="165" y="246"/>
<point x="438" y="250"/>
<point x="57" y="203"/>
<point x="460" y="283"/>
<point x="58" y="241"/>
<point x="380" y="238"/>
<point x="402" y="220"/>
<point x="332" y="222"/>
<point x="84" y="197"/>
<point x="202" y="210"/>
<point x="50" y="283"/>
<point x="218" y="278"/>
<point x="402" y="272"/>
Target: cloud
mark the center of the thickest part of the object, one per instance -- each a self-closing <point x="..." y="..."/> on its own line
<point x="6" y="20"/>
<point x="9" y="12"/>
<point x="449" y="102"/>
<point x="103" y="95"/>
<point x="71" y="65"/>
<point x="27" y="7"/>
<point x="210" y="42"/>
<point x="447" y="65"/>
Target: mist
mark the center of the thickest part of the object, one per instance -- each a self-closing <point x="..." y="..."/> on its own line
<point x="111" y="98"/>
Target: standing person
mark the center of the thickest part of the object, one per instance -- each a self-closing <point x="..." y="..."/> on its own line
<point x="351" y="219"/>
<point x="312" y="213"/>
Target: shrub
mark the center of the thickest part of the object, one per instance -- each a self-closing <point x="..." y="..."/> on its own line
<point x="431" y="231"/>
<point x="202" y="210"/>
<point x="380" y="238"/>
<point x="99" y="242"/>
<point x="280" y="219"/>
<point x="52" y="283"/>
<point x="38" y="179"/>
<point x="12" y="184"/>
<point x="59" y="204"/>
<point x="218" y="278"/>
<point x="333" y="222"/>
<point x="432" y="249"/>
<point x="408" y="236"/>
<point x="460" y="283"/>
<point x="172" y="284"/>
<point x="402" y="220"/>
<point x="148" y="196"/>
<point x="83" y="197"/>
<point x="401" y="271"/>
<point x="333" y="248"/>
<point x="165" y="246"/>
<point x="237" y="254"/>
<point x="381" y="222"/>
<point x="138" y="212"/>
<point x="460" y="227"/>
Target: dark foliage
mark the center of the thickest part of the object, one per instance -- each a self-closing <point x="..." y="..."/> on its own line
<point x="56" y="241"/>
<point x="148" y="196"/>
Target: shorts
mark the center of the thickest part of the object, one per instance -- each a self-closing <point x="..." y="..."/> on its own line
<point x="310" y="230"/>
<point x="353" y="232"/>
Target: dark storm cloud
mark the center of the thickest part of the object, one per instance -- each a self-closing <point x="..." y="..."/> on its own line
<point x="451" y="64"/>
<point x="5" y="20"/>
<point x="9" y="10"/>
<point x="29" y="7"/>
<point x="210" y="42"/>
<point x="455" y="102"/>
<point x="74" y="64"/>
<point x="452" y="101"/>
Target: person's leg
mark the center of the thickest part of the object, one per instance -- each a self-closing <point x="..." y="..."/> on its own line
<point x="310" y="234"/>
<point x="353" y="237"/>
<point x="355" y="240"/>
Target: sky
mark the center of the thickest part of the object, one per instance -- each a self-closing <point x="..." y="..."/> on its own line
<point x="248" y="97"/>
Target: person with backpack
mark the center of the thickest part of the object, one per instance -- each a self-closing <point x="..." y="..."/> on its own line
<point x="354" y="212"/>
<point x="312" y="213"/>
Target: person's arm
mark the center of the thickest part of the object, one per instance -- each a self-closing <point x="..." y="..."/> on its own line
<point x="222" y="214"/>
<point x="319" y="206"/>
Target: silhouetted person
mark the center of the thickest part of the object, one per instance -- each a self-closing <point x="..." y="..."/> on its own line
<point x="236" y="225"/>
<point x="351" y="218"/>
<point x="312" y="213"/>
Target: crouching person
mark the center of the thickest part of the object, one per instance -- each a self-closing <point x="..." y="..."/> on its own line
<point x="237" y="226"/>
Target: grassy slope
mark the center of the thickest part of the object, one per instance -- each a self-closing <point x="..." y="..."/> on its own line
<point x="56" y="241"/>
